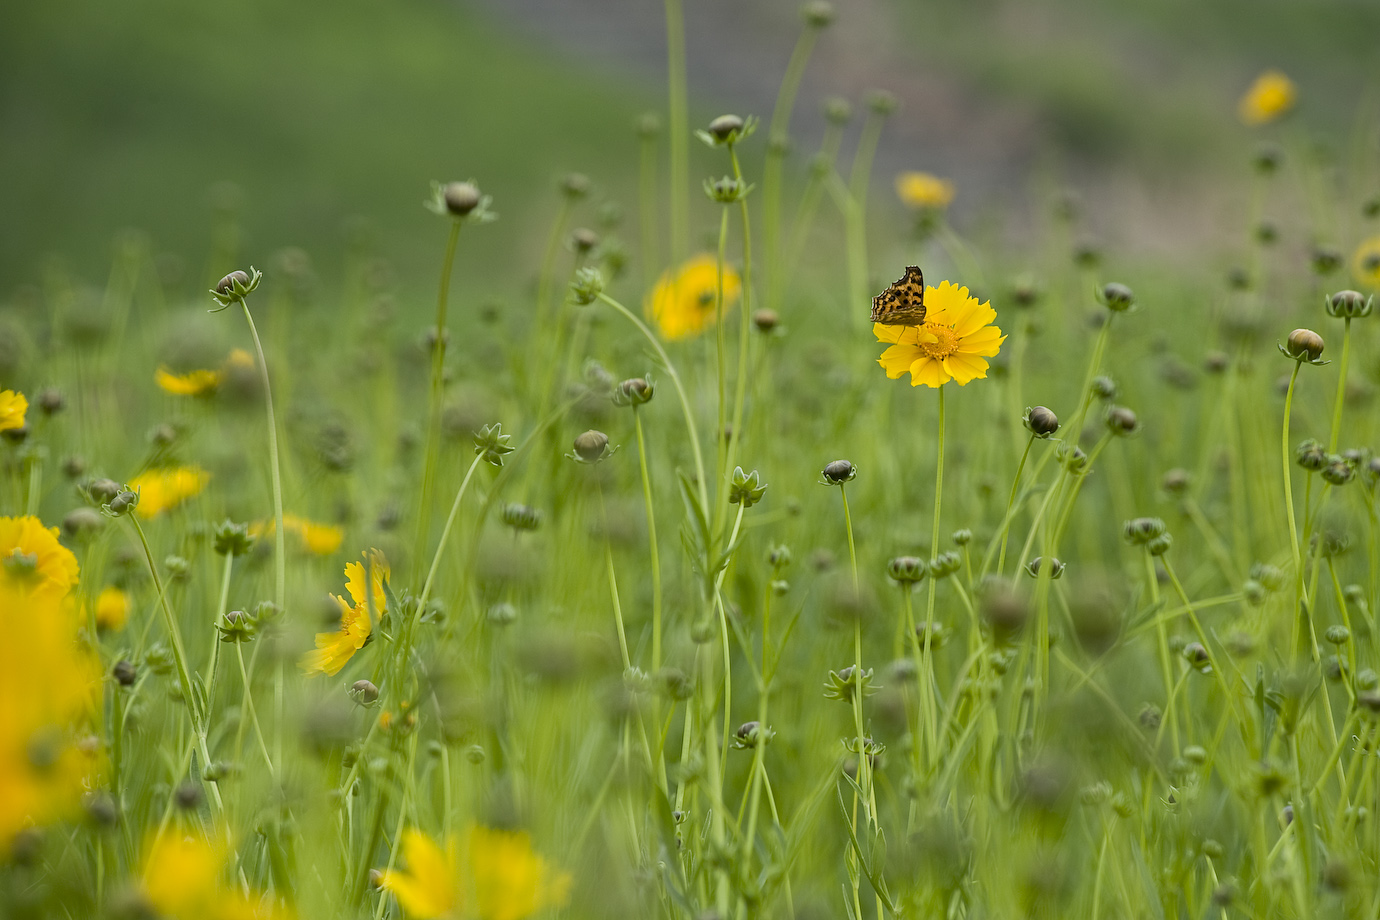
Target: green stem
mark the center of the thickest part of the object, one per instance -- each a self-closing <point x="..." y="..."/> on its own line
<point x="777" y="140"/>
<point x="1289" y="500"/>
<point x="445" y="534"/>
<point x="690" y="427"/>
<point x="680" y="130"/>
<point x="1341" y="388"/>
<point x="253" y="713"/>
<point x="438" y="362"/>
<point x="652" y="548"/>
<point x="279" y="547"/>
<point x="1010" y="503"/>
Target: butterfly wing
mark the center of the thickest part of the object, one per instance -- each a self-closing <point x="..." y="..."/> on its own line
<point x="903" y="303"/>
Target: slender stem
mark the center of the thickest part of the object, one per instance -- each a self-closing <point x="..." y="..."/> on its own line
<point x="680" y="392"/>
<point x="279" y="548"/>
<point x="1341" y="388"/>
<point x="1289" y="499"/>
<point x="777" y="140"/>
<point x="1010" y="503"/>
<point x="938" y="499"/>
<point x="253" y="713"/>
<point x="680" y="130"/>
<point x="652" y="548"/>
<point x="735" y="439"/>
<point x="438" y="364"/>
<point x="445" y="534"/>
<point x="721" y="345"/>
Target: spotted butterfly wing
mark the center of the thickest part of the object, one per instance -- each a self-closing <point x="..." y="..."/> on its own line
<point x="903" y="303"/>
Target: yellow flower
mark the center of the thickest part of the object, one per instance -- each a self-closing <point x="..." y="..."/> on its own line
<point x="1365" y="264"/>
<point x="33" y="558"/>
<point x="682" y="302"/>
<point x="239" y="359"/>
<point x="951" y="345"/>
<point x="162" y="489"/>
<point x="192" y="383"/>
<point x="1270" y="96"/>
<point x="427" y="889"/>
<point x="51" y="683"/>
<point x="510" y="880"/>
<point x="921" y="191"/>
<point x="183" y="880"/>
<point x="319" y="539"/>
<point x="112" y="608"/>
<point x="12" y="408"/>
<point x="334" y="649"/>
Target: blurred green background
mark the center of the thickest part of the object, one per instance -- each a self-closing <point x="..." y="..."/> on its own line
<point x="319" y="114"/>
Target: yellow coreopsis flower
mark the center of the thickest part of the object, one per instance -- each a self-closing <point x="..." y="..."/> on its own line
<point x="334" y="649"/>
<point x="50" y="684"/>
<point x="12" y="408"/>
<point x="956" y="337"/>
<point x="182" y="879"/>
<point x="1270" y="96"/>
<point x="162" y="489"/>
<point x="682" y="304"/>
<point x="319" y="539"/>
<point x="1365" y="264"/>
<point x="112" y="608"/>
<point x="922" y="191"/>
<point x="510" y="880"/>
<point x="192" y="383"/>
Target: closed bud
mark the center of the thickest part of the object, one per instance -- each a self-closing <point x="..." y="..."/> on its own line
<point x="838" y="472"/>
<point x="907" y="569"/>
<point x="122" y="504"/>
<point x="882" y="102"/>
<point x="1310" y="455"/>
<point x="1036" y="565"/>
<point x="726" y="128"/>
<point x="1142" y="530"/>
<point x="1267" y="158"/>
<point x="837" y="110"/>
<point x="187" y="796"/>
<point x="461" y="198"/>
<point x="751" y="734"/>
<point x="765" y="320"/>
<point x="930" y="634"/>
<point x="1176" y="481"/>
<point x="1160" y="545"/>
<point x="236" y="286"/>
<point x="233" y="539"/>
<point x="51" y="401"/>
<point x="521" y="517"/>
<point x="1349" y="305"/>
<point x="81" y="522"/>
<point x="583" y="240"/>
<point x="1303" y="345"/>
<point x="1040" y="421"/>
<point x="1325" y="260"/>
<point x="635" y="391"/>
<point x="364" y="693"/>
<point x="1104" y="387"/>
<point x="1121" y="421"/>
<point x="963" y="536"/>
<point x="103" y="491"/>
<point x="492" y="444"/>
<point x="1338" y="471"/>
<point x="745" y="489"/>
<point x="591" y="447"/>
<point x="1197" y="656"/>
<point x="502" y="614"/>
<point x="587" y="286"/>
<point x="944" y="565"/>
<point x="124" y="672"/>
<point x="1117" y="297"/>
<point x="817" y="13"/>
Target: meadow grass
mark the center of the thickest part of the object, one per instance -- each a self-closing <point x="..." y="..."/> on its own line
<point x="661" y="599"/>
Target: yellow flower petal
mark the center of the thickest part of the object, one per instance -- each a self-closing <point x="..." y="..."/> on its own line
<point x="426" y="889"/>
<point x="682" y="303"/>
<point x="950" y="345"/>
<point x="1270" y="96"/>
<point x="12" y="408"/>
<point x="192" y="383"/>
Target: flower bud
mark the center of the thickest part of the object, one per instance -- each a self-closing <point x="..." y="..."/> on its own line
<point x="745" y="489"/>
<point x="461" y="198"/>
<point x="364" y="693"/>
<point x="1117" y="297"/>
<point x="521" y="517"/>
<point x="187" y="796"/>
<point x="1310" y="455"/>
<point x="1197" y="656"/>
<point x="81" y="522"/>
<point x="122" y="504"/>
<point x="1349" y="305"/>
<point x="124" y="672"/>
<point x="1325" y="260"/>
<point x="842" y="683"/>
<point x="837" y="110"/>
<point x="1104" y="387"/>
<point x="907" y="569"/>
<point x="102" y="491"/>
<point x="726" y="128"/>
<point x="592" y="446"/>
<point x="1176" y="481"/>
<point x="1215" y="362"/>
<point x="1033" y="567"/>
<point x="765" y="320"/>
<point x="583" y="240"/>
<point x="963" y="536"/>
<point x="587" y="286"/>
<point x="1303" y="345"/>
<point x="930" y="634"/>
<point x="635" y="391"/>
<point x="882" y="102"/>
<point x="838" y="472"/>
<point x="1142" y="530"/>
<point x="1338" y="635"/>
<point x="1040" y="421"/>
<point x="233" y="539"/>
<point x="817" y="13"/>
<point x="1267" y="158"/>
<point x="1338" y="471"/>
<point x="227" y="284"/>
<point x="492" y="444"/>
<point x="502" y="614"/>
<point x="236" y="286"/>
<point x="1158" y="546"/>
<point x="944" y="565"/>
<point x="1121" y="421"/>
<point x="575" y="185"/>
<point x="51" y="401"/>
<point x="726" y="190"/>
<point x="751" y="734"/>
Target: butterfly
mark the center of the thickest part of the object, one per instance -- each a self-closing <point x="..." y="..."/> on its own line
<point x="903" y="303"/>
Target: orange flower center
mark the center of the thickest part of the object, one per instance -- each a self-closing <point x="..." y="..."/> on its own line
<point x="938" y="341"/>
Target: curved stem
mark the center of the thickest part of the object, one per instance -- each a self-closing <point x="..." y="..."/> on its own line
<point x="1289" y="497"/>
<point x="438" y="363"/>
<point x="652" y="548"/>
<point x="445" y="534"/>
<point x="1010" y="503"/>
<point x="253" y="712"/>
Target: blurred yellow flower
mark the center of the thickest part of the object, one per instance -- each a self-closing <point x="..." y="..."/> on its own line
<point x="951" y="345"/>
<point x="192" y="383"/>
<point x="1270" y="96"/>
<point x="33" y="558"/>
<point x="183" y="880"/>
<point x="50" y="682"/>
<point x="167" y="488"/>
<point x="921" y="191"/>
<point x="334" y="649"/>
<point x="510" y="880"/>
<point x="319" y="539"/>
<point x="238" y="359"/>
<point x="1365" y="264"/>
<point x="12" y="408"/>
<point x="428" y="888"/>
<point x="112" y="608"/>
<point x="682" y="302"/>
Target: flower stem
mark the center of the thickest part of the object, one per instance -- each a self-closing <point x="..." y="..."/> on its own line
<point x="445" y="534"/>
<point x="253" y="713"/>
<point x="680" y="130"/>
<point x="938" y="498"/>
<point x="1289" y="498"/>
<point x="438" y="363"/>
<point x="776" y="154"/>
<point x="1341" y="388"/>
<point x="1010" y="503"/>
<point x="279" y="551"/>
<point x="652" y="548"/>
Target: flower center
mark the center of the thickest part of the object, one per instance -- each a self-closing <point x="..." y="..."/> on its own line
<point x="938" y="341"/>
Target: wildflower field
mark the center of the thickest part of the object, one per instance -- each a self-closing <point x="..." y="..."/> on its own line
<point x="753" y="555"/>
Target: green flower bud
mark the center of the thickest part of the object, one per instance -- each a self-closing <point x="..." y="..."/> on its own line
<point x="1310" y="455"/>
<point x="591" y="447"/>
<point x="236" y="626"/>
<point x="233" y="539"/>
<point x="1121" y="421"/>
<point x="1034" y="566"/>
<point x="1040" y="421"/>
<point x="841" y="684"/>
<point x="635" y="391"/>
<point x="1142" y="530"/>
<point x="364" y="693"/>
<point x="236" y="286"/>
<point x="907" y="569"/>
<point x="944" y="565"/>
<point x="839" y="472"/>
<point x="817" y="13"/>
<point x="521" y="517"/>
<point x="1349" y="305"/>
<point x="492" y="444"/>
<point x="745" y="490"/>
<point x="1304" y="345"/>
<point x="1117" y="297"/>
<point x="1197" y="656"/>
<point x="963" y="536"/>
<point x="122" y="504"/>
<point x="751" y="734"/>
<point x="587" y="286"/>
